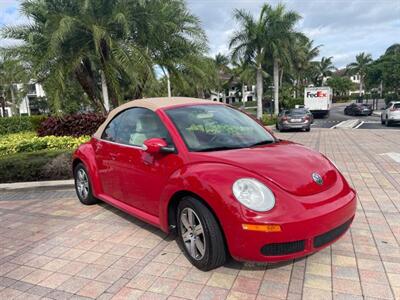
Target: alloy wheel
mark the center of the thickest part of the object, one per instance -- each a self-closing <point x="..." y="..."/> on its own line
<point x="82" y="183"/>
<point x="192" y="233"/>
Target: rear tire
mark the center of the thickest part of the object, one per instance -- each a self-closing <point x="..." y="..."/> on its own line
<point x="199" y="235"/>
<point x="308" y="129"/>
<point x="382" y="121"/>
<point x="83" y="186"/>
<point x="387" y="122"/>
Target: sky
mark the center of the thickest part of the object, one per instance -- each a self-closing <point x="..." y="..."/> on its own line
<point x="344" y="28"/>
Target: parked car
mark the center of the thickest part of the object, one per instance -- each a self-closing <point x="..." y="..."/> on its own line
<point x="391" y="113"/>
<point x="217" y="179"/>
<point x="358" y="109"/>
<point x="297" y="118"/>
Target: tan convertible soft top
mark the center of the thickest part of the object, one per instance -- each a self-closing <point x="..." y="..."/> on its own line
<point x="152" y="104"/>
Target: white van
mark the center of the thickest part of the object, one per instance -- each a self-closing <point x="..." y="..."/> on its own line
<point x="318" y="100"/>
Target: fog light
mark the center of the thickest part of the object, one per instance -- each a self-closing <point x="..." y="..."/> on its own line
<point x="264" y="228"/>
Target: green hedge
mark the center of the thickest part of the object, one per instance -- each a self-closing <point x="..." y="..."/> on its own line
<point x="20" y="123"/>
<point x="29" y="142"/>
<point x="268" y="119"/>
<point x="391" y="97"/>
<point x="34" y="166"/>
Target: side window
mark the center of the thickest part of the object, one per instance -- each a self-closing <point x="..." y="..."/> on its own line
<point x="135" y="125"/>
<point x="110" y="133"/>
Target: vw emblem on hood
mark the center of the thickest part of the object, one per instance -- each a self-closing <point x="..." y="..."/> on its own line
<point x="317" y="178"/>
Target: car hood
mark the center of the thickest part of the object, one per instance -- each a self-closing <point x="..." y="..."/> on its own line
<point x="288" y="165"/>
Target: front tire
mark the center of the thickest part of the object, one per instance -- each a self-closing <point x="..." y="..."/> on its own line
<point x="83" y="187"/>
<point x="199" y="235"/>
<point x="387" y="122"/>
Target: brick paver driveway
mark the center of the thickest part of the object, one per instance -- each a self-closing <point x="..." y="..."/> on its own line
<point x="53" y="247"/>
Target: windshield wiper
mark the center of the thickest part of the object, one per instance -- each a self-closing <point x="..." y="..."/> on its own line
<point x="218" y="148"/>
<point x="266" y="142"/>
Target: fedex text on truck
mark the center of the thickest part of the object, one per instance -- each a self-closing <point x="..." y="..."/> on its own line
<point x="318" y="94"/>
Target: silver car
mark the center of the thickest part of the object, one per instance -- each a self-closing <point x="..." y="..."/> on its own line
<point x="391" y="114"/>
<point x="297" y="118"/>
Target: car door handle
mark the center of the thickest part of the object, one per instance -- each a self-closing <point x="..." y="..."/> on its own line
<point x="113" y="156"/>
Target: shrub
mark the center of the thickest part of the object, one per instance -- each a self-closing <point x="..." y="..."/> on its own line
<point x="268" y="119"/>
<point x="71" y="125"/>
<point x="41" y="165"/>
<point x="29" y="142"/>
<point x="391" y="97"/>
<point x="20" y="123"/>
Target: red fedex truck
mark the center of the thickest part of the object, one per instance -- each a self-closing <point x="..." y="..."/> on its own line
<point x="318" y="100"/>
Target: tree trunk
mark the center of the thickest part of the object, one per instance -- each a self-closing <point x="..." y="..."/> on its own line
<point x="104" y="90"/>
<point x="86" y="81"/>
<point x="243" y="91"/>
<point x="169" y="86"/>
<point x="3" y="106"/>
<point x="361" y="86"/>
<point x="276" y="87"/>
<point x="259" y="92"/>
<point x="13" y="103"/>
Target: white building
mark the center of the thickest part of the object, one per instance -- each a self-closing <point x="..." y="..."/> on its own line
<point x="235" y="95"/>
<point x="356" y="79"/>
<point x="29" y="104"/>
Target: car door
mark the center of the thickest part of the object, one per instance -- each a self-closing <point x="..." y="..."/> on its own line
<point x="106" y="151"/>
<point x="142" y="175"/>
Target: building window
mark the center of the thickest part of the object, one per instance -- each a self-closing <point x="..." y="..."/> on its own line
<point x="249" y="98"/>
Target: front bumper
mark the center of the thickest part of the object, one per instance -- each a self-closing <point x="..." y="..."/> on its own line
<point x="302" y="235"/>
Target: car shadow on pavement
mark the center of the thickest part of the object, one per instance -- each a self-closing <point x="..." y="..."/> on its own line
<point x="171" y="237"/>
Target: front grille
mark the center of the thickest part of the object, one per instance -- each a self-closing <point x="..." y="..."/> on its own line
<point x="283" y="248"/>
<point x="329" y="236"/>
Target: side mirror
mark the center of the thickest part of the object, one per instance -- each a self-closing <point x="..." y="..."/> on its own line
<point x="157" y="145"/>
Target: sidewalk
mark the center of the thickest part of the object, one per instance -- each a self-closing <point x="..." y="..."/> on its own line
<point x="53" y="247"/>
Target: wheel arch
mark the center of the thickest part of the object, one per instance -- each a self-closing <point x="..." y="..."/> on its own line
<point x="85" y="155"/>
<point x="172" y="210"/>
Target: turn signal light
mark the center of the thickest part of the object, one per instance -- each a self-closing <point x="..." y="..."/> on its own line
<point x="264" y="228"/>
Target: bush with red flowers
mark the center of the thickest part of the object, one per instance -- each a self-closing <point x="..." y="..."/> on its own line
<point x="71" y="125"/>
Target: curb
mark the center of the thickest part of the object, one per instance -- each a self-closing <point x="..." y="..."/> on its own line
<point x="41" y="185"/>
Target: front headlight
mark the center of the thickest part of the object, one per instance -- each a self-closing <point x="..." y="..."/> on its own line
<point x="253" y="194"/>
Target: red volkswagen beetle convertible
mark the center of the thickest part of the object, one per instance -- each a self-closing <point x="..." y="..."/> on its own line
<point x="217" y="178"/>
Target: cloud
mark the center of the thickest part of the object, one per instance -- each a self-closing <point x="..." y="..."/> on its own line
<point x="10" y="16"/>
<point x="344" y="27"/>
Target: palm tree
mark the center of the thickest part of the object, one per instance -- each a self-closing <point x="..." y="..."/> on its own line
<point x="359" y="67"/>
<point x="172" y="37"/>
<point x="280" y="38"/>
<point x="109" y="47"/>
<point x="223" y="71"/>
<point x="246" y="74"/>
<point x="270" y="37"/>
<point x="248" y="45"/>
<point x="323" y="69"/>
<point x="302" y="55"/>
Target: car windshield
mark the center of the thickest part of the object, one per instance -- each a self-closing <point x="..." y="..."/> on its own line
<point x="217" y="127"/>
<point x="297" y="111"/>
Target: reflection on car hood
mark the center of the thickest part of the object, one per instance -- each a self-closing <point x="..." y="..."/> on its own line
<point x="287" y="164"/>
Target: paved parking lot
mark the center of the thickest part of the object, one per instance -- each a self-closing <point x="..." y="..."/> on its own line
<point x="53" y="247"/>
